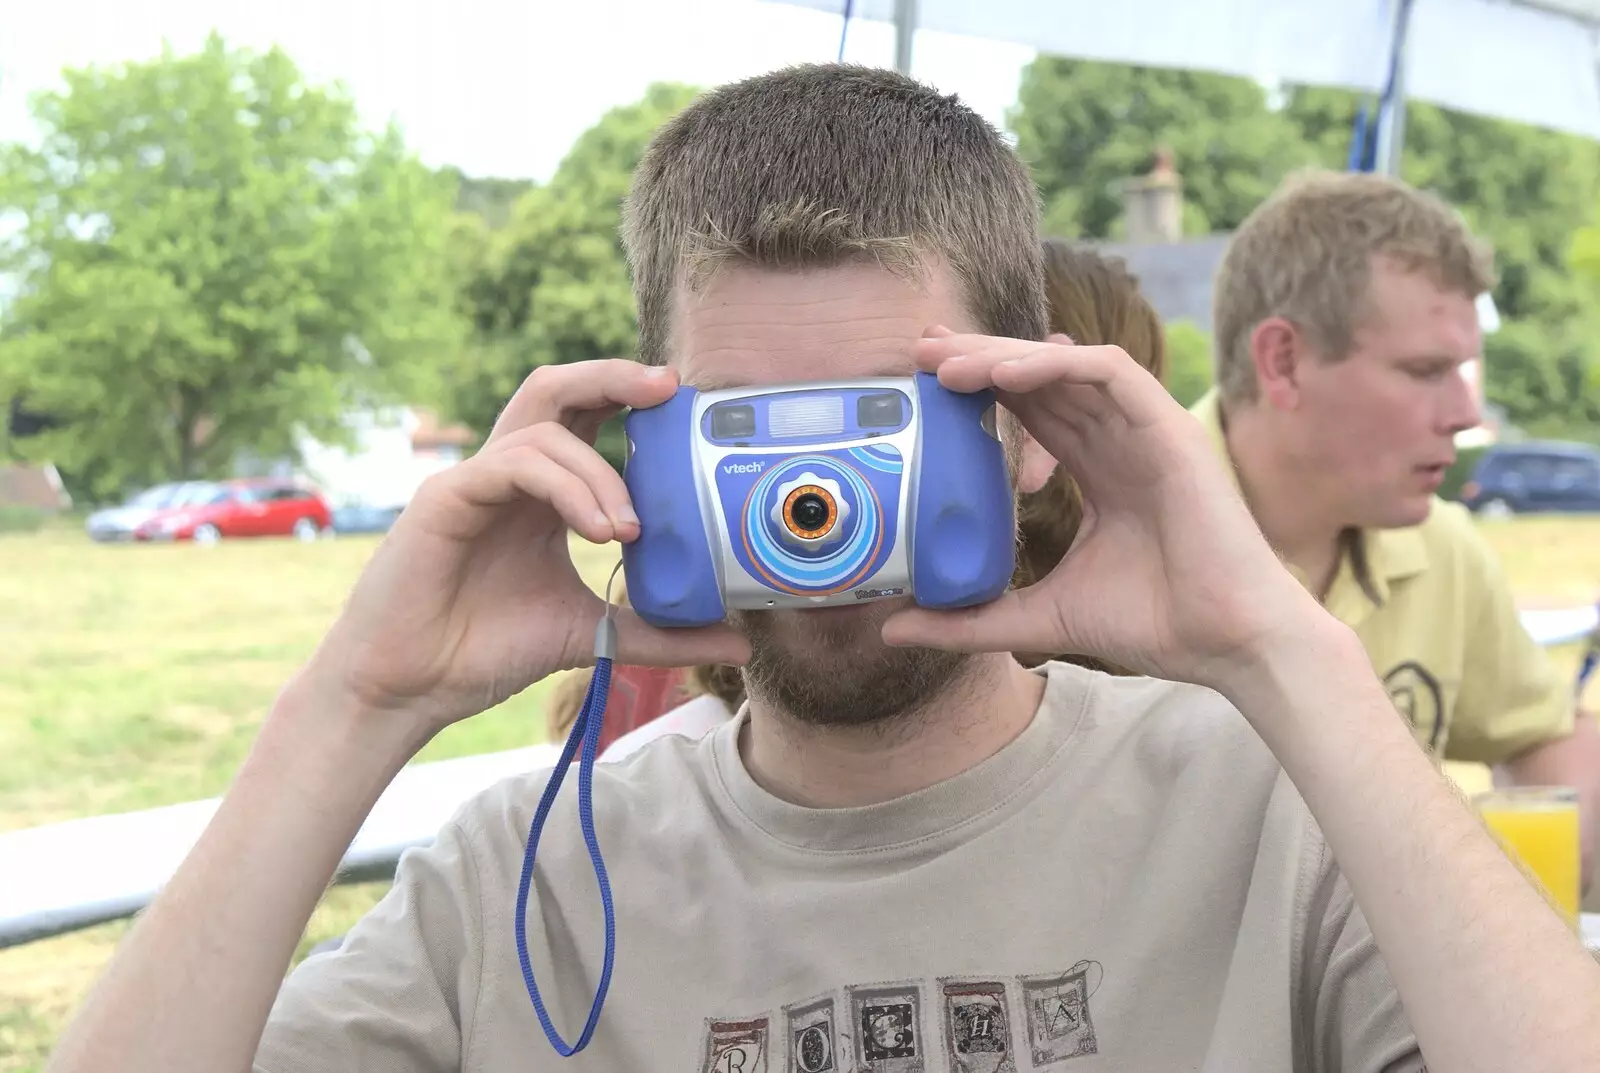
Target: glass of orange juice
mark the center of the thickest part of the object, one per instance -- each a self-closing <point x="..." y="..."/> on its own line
<point x="1538" y="827"/>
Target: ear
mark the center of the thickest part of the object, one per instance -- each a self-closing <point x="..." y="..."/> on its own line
<point x="1037" y="464"/>
<point x="1278" y="353"/>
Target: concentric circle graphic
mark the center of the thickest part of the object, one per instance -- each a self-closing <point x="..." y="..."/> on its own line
<point x="789" y="560"/>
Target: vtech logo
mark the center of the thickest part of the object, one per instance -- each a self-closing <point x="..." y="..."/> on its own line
<point x="743" y="467"/>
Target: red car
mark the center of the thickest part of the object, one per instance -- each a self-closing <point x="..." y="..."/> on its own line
<point x="205" y="512"/>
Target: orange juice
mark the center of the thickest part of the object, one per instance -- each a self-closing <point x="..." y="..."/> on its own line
<point x="1538" y="826"/>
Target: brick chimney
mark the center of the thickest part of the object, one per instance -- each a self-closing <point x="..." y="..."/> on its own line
<point x="1152" y="205"/>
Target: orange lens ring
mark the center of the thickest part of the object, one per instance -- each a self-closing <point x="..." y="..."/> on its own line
<point x="822" y="494"/>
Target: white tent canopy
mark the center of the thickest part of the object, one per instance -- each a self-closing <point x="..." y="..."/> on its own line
<point x="1532" y="61"/>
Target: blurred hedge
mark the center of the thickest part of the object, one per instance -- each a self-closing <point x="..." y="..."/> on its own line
<point x="17" y="519"/>
<point x="1457" y="475"/>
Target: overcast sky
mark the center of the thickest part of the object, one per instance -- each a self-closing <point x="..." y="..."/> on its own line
<point x="496" y="87"/>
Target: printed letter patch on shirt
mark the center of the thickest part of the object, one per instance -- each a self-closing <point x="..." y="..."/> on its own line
<point x="977" y="1028"/>
<point x="811" y="1037"/>
<point x="1058" y="1016"/>
<point x="888" y="1023"/>
<point x="903" y="1027"/>
<point x="737" y="1046"/>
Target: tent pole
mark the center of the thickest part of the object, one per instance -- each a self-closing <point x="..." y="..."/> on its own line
<point x="1392" y="132"/>
<point x="905" y="28"/>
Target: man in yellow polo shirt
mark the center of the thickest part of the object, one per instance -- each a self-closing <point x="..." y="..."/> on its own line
<point x="1344" y="312"/>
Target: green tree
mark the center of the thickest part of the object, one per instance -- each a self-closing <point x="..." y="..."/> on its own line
<point x="491" y="199"/>
<point x="212" y="255"/>
<point x="1085" y="127"/>
<point x="1584" y="256"/>
<point x="1525" y="190"/>
<point x="1189" y="368"/>
<point x="555" y="286"/>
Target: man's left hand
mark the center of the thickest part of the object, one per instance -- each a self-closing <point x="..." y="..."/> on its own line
<point x="1169" y="575"/>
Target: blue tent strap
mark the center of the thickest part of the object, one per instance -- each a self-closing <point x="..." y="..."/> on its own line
<point x="844" y="28"/>
<point x="1364" y="139"/>
<point x="1591" y="660"/>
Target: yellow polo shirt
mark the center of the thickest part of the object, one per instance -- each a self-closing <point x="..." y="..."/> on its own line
<point x="1445" y="637"/>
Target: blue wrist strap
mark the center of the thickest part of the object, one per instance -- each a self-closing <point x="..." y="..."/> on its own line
<point x="1589" y="664"/>
<point x="584" y="741"/>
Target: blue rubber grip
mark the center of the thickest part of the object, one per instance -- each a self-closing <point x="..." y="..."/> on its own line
<point x="671" y="578"/>
<point x="964" y="538"/>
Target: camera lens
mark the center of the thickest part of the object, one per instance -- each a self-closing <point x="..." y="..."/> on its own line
<point x="733" y="422"/>
<point x="809" y="512"/>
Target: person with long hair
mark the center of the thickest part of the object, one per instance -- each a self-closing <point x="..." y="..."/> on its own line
<point x="1094" y="300"/>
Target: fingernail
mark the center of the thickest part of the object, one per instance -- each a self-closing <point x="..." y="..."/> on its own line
<point x="600" y="520"/>
<point x="626" y="516"/>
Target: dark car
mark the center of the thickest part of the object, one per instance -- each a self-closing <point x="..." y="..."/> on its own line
<point x="1535" y="478"/>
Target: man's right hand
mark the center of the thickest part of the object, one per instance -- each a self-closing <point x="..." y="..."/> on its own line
<point x="473" y="596"/>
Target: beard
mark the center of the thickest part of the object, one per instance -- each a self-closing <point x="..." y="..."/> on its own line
<point x="831" y="668"/>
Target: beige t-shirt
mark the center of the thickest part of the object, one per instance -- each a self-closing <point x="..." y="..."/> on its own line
<point x="693" y="719"/>
<point x="1132" y="884"/>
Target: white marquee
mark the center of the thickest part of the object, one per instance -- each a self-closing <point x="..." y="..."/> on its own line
<point x="1533" y="61"/>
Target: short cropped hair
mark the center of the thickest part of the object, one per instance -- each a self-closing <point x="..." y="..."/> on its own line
<point x="820" y="165"/>
<point x="1307" y="253"/>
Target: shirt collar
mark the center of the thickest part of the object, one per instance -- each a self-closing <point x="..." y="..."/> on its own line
<point x="1392" y="554"/>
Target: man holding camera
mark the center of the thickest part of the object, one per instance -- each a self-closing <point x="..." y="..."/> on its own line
<point x="1344" y="312"/>
<point x="907" y="852"/>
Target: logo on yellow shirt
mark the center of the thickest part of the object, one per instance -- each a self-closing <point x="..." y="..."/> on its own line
<point x="1417" y="696"/>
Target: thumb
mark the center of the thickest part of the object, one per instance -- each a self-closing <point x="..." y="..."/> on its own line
<point x="1020" y="621"/>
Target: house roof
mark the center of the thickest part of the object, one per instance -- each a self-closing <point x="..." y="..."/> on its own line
<point x="1176" y="277"/>
<point x="38" y="487"/>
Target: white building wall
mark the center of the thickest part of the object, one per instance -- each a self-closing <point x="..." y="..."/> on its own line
<point x="379" y="469"/>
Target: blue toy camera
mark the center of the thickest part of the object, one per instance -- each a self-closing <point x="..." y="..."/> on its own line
<point x="816" y="495"/>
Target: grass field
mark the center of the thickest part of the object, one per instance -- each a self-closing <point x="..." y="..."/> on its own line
<point x="132" y="677"/>
<point x="136" y="676"/>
